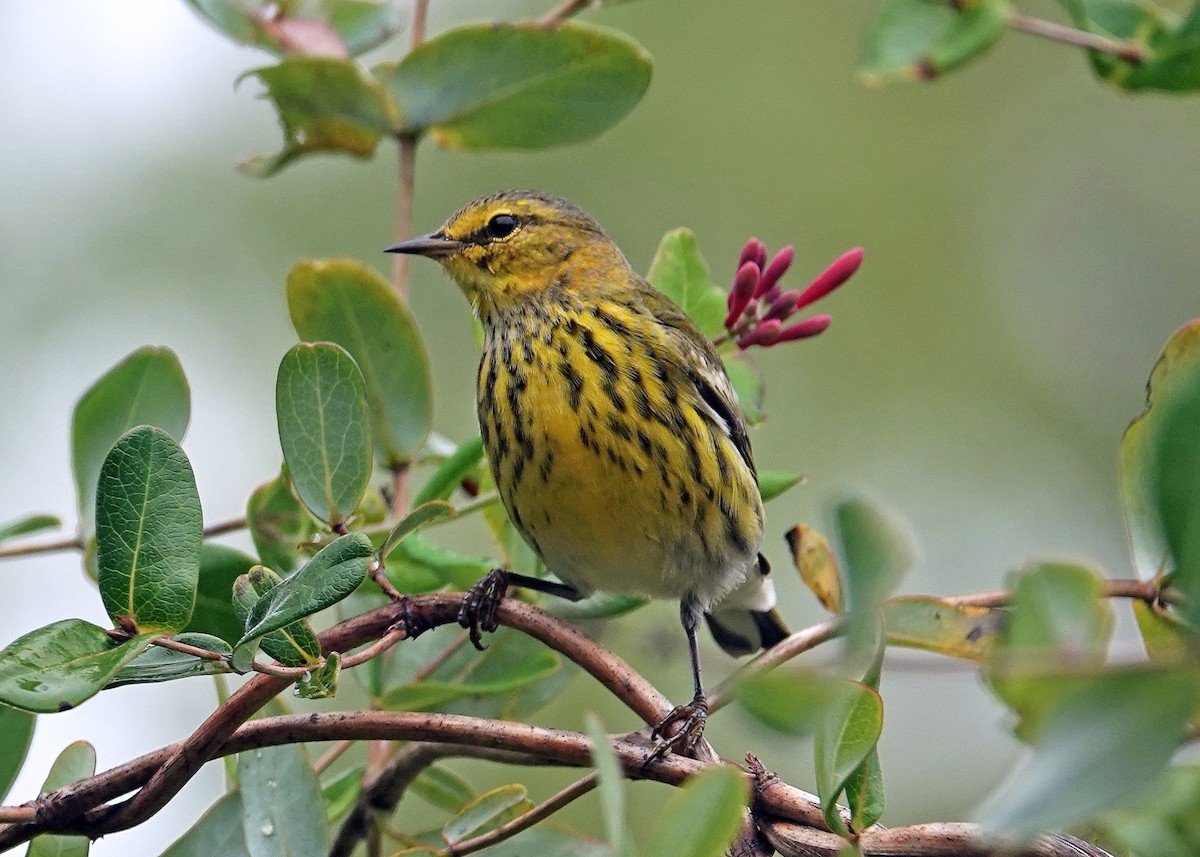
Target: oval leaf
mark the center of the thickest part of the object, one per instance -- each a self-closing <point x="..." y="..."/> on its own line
<point x="702" y="817"/>
<point x="16" y="733"/>
<point x="680" y="273"/>
<point x="452" y="471"/>
<point x="341" y="793"/>
<point x="486" y="812"/>
<point x="294" y="645"/>
<point x="344" y="301"/>
<point x="921" y="622"/>
<point x="321" y="405"/>
<point x="443" y="788"/>
<point x="148" y="532"/>
<point x="1175" y="468"/>
<point x="283" y="814"/>
<point x="788" y="702"/>
<point x="612" y="787"/>
<point x="77" y="762"/>
<point x="278" y="524"/>
<point x="423" y="515"/>
<point x="818" y="569"/>
<point x="219" y="831"/>
<point x="848" y="732"/>
<point x="1057" y="614"/>
<point x="519" y="86"/>
<point x="325" y="580"/>
<point x="146" y="388"/>
<point x="27" y="525"/>
<point x="772" y="483"/>
<point x="359" y="24"/>
<point x="214" y="614"/>
<point x="915" y="40"/>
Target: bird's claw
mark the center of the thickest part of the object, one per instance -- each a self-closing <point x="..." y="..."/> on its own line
<point x="680" y="730"/>
<point x="478" y="611"/>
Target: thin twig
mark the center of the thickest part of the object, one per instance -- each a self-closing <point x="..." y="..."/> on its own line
<point x="331" y="755"/>
<point x="222" y="527"/>
<point x="782" y="652"/>
<point x="1128" y="51"/>
<point x="543" y="810"/>
<point x="564" y="11"/>
<point x="72" y="543"/>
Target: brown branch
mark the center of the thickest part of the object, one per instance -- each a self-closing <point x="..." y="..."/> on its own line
<point x="72" y="543"/>
<point x="542" y="811"/>
<point x="222" y="527"/>
<point x="565" y="10"/>
<point x="1128" y="51"/>
<point x="331" y="755"/>
<point x="1140" y="590"/>
<point x="782" y="652"/>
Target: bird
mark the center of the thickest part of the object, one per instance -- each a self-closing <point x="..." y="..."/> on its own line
<point x="613" y="433"/>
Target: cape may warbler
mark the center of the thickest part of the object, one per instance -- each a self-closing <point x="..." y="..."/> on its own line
<point x="613" y="433"/>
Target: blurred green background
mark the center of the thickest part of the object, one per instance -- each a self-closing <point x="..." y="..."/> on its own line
<point x="1030" y="244"/>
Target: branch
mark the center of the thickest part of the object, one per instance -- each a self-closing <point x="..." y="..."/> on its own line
<point x="1128" y="51"/>
<point x="543" y="810"/>
<point x="65" y="544"/>
<point x="565" y="10"/>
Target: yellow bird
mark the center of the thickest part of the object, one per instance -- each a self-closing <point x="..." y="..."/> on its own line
<point x="613" y="433"/>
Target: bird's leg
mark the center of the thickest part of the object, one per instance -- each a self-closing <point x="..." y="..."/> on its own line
<point x="687" y="721"/>
<point x="478" y="611"/>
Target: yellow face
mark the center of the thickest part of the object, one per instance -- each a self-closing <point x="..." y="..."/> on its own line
<point x="514" y="245"/>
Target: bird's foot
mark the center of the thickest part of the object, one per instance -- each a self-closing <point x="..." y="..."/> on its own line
<point x="478" y="611"/>
<point x="680" y="730"/>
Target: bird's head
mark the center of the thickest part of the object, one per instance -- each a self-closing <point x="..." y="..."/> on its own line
<point x="516" y="246"/>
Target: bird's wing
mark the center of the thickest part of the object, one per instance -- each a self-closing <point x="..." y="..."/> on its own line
<point x="703" y="368"/>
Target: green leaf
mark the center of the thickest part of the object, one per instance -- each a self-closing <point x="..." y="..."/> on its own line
<point x="16" y="733"/>
<point x="418" y="565"/>
<point x="443" y="788"/>
<point x="146" y="388"/>
<point x="518" y="86"/>
<point x="77" y="762"/>
<point x="748" y="384"/>
<point x="917" y="40"/>
<point x="790" y="702"/>
<point x="935" y="625"/>
<point x="219" y="831"/>
<point x="598" y="605"/>
<point x="341" y="793"/>
<point x="431" y="695"/>
<point x="148" y="532"/>
<point x="421" y="516"/>
<point x="1175" y="469"/>
<point x="344" y="301"/>
<point x="1175" y="371"/>
<point x="1103" y="740"/>
<point x="57" y="667"/>
<point x="220" y="566"/>
<point x="701" y="818"/>
<point x="612" y="788"/>
<point x="878" y="554"/>
<point x="328" y="577"/>
<point x="1057" y="615"/>
<point x="295" y="644"/>
<point x="27" y="525"/>
<point x="160" y="664"/>
<point x="864" y="792"/>
<point x="361" y="24"/>
<point x="1165" y="636"/>
<point x="772" y="483"/>
<point x="680" y="273"/>
<point x="817" y="566"/>
<point x="1171" y="46"/>
<point x="322" y="682"/>
<point x="282" y="811"/>
<point x="846" y="736"/>
<point x="452" y="471"/>
<point x="486" y="812"/>
<point x="1163" y="822"/>
<point x="321" y="405"/>
<point x="278" y="523"/>
<point x="324" y="105"/>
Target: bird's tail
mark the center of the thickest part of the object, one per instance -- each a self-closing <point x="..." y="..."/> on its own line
<point x="746" y="620"/>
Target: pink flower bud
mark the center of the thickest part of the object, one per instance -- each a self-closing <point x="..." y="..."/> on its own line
<point x="307" y="37"/>
<point x="841" y="270"/>
<point x="764" y="333"/>
<point x="783" y="305"/>
<point x="762" y="256"/>
<point x="751" y="252"/>
<point x="804" y="329"/>
<point x="741" y="293"/>
<point x="775" y="270"/>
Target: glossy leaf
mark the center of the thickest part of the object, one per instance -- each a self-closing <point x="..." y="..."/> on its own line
<point x="16" y="733"/>
<point x="218" y="832"/>
<point x="344" y="301"/>
<point x="612" y="788"/>
<point x="1103" y="740"/>
<point x="451" y="472"/>
<point x="917" y="40"/>
<point x="28" y="525"/>
<point x="421" y="516"/>
<point x="322" y="682"/>
<point x="160" y="664"/>
<point x="486" y="812"/>
<point x="431" y="695"/>
<point x="214" y="614"/>
<point x="680" y="273"/>
<point x="935" y="625"/>
<point x="817" y="566"/>
<point x="326" y="579"/>
<point x="278" y="524"/>
<point x="57" y="667"/>
<point x="1176" y="370"/>
<point x="293" y="645"/>
<point x="1057" y="613"/>
<point x="519" y="86"/>
<point x="772" y="483"/>
<point x="701" y="818"/>
<point x="1175" y="469"/>
<point x="846" y="735"/>
<point x="324" y="105"/>
<point x="146" y="388"/>
<point x="283" y="814"/>
<point x="321" y="405"/>
<point x="748" y="384"/>
<point x="443" y="788"/>
<point x="75" y="763"/>
<point x="341" y="792"/>
<point x="148" y="532"/>
<point x="787" y="701"/>
<point x="865" y="793"/>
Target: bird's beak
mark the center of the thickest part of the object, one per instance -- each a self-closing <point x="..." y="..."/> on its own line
<point x="433" y="245"/>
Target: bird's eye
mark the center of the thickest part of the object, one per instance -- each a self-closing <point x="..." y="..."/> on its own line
<point x="501" y="226"/>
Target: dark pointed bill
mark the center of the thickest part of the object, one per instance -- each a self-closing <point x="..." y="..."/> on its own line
<point x="427" y="245"/>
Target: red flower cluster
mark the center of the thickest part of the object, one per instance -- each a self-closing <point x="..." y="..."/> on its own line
<point x="758" y="307"/>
